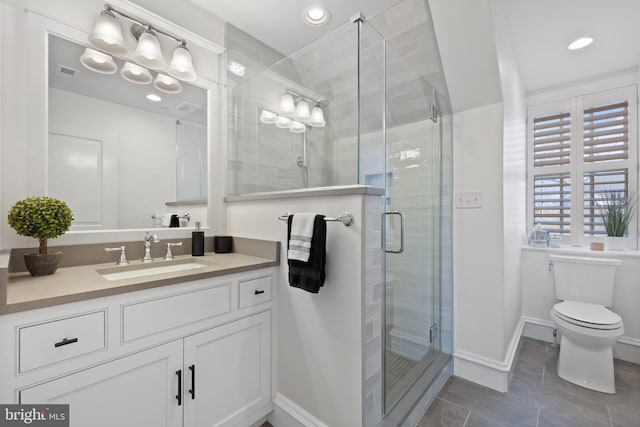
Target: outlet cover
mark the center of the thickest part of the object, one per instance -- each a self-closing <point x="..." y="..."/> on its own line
<point x="468" y="199"/>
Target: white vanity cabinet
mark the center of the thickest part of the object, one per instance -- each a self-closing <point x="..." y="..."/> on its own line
<point x="194" y="354"/>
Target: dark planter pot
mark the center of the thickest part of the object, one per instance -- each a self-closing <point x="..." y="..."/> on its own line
<point x="42" y="265"/>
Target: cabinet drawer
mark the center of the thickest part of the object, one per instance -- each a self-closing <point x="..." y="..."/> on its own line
<point x="255" y="291"/>
<point x="51" y="342"/>
<point x="150" y="317"/>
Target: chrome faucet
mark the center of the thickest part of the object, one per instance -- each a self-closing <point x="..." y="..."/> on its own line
<point x="147" y="246"/>
<point x="169" y="254"/>
<point x="122" y="259"/>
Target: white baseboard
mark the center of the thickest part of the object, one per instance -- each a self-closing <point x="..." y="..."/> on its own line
<point x="288" y="414"/>
<point x="627" y="348"/>
<point x="490" y="373"/>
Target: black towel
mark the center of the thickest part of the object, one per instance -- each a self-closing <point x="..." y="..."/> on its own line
<point x="310" y="275"/>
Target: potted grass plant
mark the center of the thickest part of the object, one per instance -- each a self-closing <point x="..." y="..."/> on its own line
<point x="617" y="209"/>
<point x="42" y="218"/>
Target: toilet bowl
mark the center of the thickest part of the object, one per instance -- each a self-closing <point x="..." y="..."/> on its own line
<point x="588" y="332"/>
<point x="588" y="329"/>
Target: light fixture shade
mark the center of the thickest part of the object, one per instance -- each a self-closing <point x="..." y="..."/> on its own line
<point x="148" y="51"/>
<point x="317" y="118"/>
<point x="107" y="34"/>
<point x="297" y="127"/>
<point x="302" y="111"/>
<point x="287" y="106"/>
<point x="181" y="66"/>
<point x="268" y="117"/>
<point x="98" y="61"/>
<point x="136" y="74"/>
<point x="283" y="122"/>
<point x="167" y="84"/>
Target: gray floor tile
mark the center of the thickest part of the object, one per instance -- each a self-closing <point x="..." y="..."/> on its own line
<point x="476" y="420"/>
<point x="548" y="419"/>
<point x="489" y="403"/>
<point x="620" y="418"/>
<point x="528" y="370"/>
<point x="444" y="414"/>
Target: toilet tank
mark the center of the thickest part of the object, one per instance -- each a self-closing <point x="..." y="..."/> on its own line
<point x="584" y="279"/>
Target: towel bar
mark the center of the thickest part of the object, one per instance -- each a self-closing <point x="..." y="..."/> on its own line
<point x="346" y="218"/>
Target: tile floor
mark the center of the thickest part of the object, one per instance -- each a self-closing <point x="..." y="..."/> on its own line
<point x="537" y="397"/>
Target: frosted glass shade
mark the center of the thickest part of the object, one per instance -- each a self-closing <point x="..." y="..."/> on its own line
<point x="148" y="51"/>
<point x="98" y="61"/>
<point x="167" y="84"/>
<point x="302" y="111"/>
<point x="268" y="117"/>
<point x="297" y="127"/>
<point x="283" y="122"/>
<point x="181" y="66"/>
<point x="107" y="34"/>
<point x="287" y="106"/>
<point x="317" y="118"/>
<point x="136" y="74"/>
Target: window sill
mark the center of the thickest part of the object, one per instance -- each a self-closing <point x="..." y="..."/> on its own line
<point x="583" y="251"/>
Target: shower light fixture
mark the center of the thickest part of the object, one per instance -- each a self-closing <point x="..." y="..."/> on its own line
<point x="136" y="74"/>
<point x="107" y="36"/>
<point x="98" y="61"/>
<point x="316" y="15"/>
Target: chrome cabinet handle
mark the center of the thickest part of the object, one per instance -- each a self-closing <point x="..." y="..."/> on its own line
<point x="384" y="240"/>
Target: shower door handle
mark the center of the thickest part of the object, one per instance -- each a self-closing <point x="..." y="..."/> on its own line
<point x="384" y="240"/>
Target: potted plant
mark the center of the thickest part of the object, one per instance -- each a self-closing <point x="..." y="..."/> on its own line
<point x="43" y="218"/>
<point x="617" y="210"/>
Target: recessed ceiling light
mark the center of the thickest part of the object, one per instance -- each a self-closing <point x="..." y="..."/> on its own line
<point x="153" y="97"/>
<point x="316" y="15"/>
<point x="580" y="43"/>
<point x="237" y="69"/>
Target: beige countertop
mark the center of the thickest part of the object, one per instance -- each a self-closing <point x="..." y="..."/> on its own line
<point x="78" y="283"/>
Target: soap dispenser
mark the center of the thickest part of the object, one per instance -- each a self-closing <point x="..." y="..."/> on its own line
<point x="197" y="241"/>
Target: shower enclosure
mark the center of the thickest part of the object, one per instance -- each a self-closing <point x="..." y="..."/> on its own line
<point x="383" y="125"/>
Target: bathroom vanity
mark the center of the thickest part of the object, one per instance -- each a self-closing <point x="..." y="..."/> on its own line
<point x="188" y="347"/>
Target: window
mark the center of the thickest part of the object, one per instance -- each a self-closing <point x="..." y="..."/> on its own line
<point x="579" y="149"/>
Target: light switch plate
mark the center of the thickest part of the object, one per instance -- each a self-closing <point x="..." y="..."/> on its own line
<point x="468" y="199"/>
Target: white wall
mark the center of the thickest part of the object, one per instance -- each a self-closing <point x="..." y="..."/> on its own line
<point x="146" y="151"/>
<point x="319" y="342"/>
<point x="539" y="294"/>
<point x="478" y="234"/>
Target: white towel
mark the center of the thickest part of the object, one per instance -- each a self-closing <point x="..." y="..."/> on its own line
<point x="300" y="239"/>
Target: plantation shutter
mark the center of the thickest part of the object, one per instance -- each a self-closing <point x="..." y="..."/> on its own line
<point x="596" y="185"/>
<point x="552" y="139"/>
<point x="552" y="202"/>
<point x="606" y="132"/>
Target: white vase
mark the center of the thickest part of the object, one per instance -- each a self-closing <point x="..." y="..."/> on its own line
<point x="612" y="243"/>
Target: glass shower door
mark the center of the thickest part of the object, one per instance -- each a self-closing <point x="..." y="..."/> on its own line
<point x="411" y="227"/>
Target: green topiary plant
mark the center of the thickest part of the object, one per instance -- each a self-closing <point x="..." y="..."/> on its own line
<point x="617" y="211"/>
<point x="40" y="217"/>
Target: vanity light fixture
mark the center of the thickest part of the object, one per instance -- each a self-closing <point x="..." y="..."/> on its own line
<point x="98" y="61"/>
<point x="317" y="118"/>
<point x="153" y="97"/>
<point x="316" y="15"/>
<point x="297" y="127"/>
<point x="302" y="113"/>
<point x="287" y="104"/>
<point x="268" y="117"/>
<point x="283" y="122"/>
<point x="136" y="74"/>
<point x="167" y="84"/>
<point x="107" y="33"/>
<point x="580" y="43"/>
<point x="107" y="36"/>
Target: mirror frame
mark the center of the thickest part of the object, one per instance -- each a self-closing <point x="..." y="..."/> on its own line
<point x="39" y="29"/>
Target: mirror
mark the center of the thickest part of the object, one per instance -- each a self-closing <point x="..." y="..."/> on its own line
<point x="120" y="160"/>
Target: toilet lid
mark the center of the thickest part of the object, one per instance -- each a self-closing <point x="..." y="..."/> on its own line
<point x="588" y="315"/>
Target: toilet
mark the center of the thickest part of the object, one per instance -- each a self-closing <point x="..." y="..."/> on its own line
<point x="588" y="329"/>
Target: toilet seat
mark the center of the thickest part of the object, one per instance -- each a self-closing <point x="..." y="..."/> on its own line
<point x="586" y="315"/>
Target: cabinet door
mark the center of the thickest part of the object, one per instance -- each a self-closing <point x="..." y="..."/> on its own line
<point x="137" y="390"/>
<point x="232" y="366"/>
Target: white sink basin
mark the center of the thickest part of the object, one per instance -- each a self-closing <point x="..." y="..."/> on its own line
<point x="145" y="270"/>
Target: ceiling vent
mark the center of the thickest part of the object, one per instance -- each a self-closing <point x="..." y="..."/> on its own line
<point x="63" y="70"/>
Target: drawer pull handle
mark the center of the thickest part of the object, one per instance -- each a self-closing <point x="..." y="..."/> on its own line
<point x="179" y="395"/>
<point x="65" y="342"/>
<point x="258" y="292"/>
<point x="192" y="368"/>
